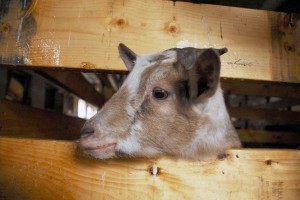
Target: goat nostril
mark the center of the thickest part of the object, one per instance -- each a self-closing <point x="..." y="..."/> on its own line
<point x="86" y="131"/>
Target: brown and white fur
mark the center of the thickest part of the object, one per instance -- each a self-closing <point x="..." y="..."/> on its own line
<point x="170" y="104"/>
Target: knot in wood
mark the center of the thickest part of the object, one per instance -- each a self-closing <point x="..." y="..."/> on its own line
<point x="172" y="28"/>
<point x="268" y="162"/>
<point x="87" y="65"/>
<point x="119" y="23"/>
<point x="291" y="20"/>
<point x="5" y="28"/>
<point x="222" y="156"/>
<point x="154" y="170"/>
<point x="289" y="47"/>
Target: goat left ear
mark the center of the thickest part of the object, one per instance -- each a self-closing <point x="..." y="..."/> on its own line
<point x="127" y="55"/>
<point x="204" y="73"/>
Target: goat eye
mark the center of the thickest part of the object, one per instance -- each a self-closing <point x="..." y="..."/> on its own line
<point x="159" y="93"/>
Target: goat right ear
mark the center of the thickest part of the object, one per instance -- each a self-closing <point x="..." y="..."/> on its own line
<point x="203" y="66"/>
<point x="127" y="55"/>
<point x="207" y="70"/>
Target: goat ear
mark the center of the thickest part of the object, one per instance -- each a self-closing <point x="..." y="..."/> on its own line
<point x="204" y="73"/>
<point x="127" y="55"/>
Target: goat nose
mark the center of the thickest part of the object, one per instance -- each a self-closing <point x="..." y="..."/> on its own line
<point x="86" y="131"/>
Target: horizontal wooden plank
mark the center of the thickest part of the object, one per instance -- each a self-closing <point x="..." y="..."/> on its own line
<point x="260" y="136"/>
<point x="264" y="114"/>
<point x="283" y="103"/>
<point x="261" y="88"/>
<point x="40" y="169"/>
<point x="18" y="120"/>
<point x="76" y="83"/>
<point x="84" y="35"/>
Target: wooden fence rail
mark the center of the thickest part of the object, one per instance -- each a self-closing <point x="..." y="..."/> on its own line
<point x="84" y="35"/>
<point x="18" y="120"/>
<point x="40" y="169"/>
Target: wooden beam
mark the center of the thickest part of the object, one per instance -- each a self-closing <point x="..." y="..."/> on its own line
<point x="76" y="83"/>
<point x="283" y="103"/>
<point x="18" y="120"/>
<point x="40" y="169"/>
<point x="261" y="88"/>
<point x="84" y="35"/>
<point x="265" y="114"/>
<point x="260" y="136"/>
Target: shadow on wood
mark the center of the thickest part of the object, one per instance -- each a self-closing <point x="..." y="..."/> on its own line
<point x="18" y="120"/>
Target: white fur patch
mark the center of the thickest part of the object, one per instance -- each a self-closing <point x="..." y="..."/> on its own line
<point x="129" y="145"/>
<point x="136" y="127"/>
<point x="143" y="62"/>
<point x="207" y="136"/>
<point x="130" y="110"/>
<point x="134" y="77"/>
<point x="171" y="56"/>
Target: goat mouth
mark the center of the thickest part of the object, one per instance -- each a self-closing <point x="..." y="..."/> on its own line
<point x="101" y="149"/>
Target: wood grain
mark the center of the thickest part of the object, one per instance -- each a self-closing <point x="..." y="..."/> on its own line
<point x="84" y="35"/>
<point x="18" y="120"/>
<point x="40" y="169"/>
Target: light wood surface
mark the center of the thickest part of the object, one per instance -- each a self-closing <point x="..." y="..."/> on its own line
<point x="18" y="120"/>
<point x="40" y="169"/>
<point x="84" y="35"/>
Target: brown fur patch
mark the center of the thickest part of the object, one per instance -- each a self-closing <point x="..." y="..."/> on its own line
<point x="114" y="115"/>
<point x="164" y="121"/>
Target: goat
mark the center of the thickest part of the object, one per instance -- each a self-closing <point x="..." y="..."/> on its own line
<point x="170" y="104"/>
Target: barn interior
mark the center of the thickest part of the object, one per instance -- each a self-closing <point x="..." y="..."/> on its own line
<point x="59" y="65"/>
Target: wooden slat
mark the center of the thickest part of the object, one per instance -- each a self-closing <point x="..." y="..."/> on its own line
<point x="84" y="34"/>
<point x="76" y="83"/>
<point x="18" y="120"/>
<point x="261" y="88"/>
<point x="259" y="136"/>
<point x="40" y="169"/>
<point x="283" y="103"/>
<point x="264" y="114"/>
